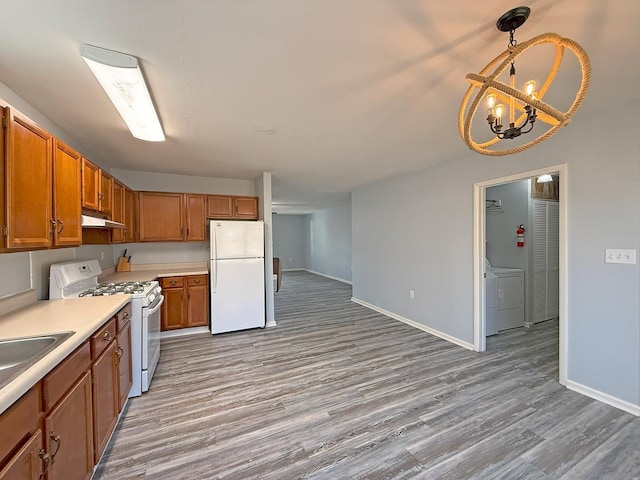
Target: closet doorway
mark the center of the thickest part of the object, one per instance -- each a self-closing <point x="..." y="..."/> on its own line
<point x="541" y="264"/>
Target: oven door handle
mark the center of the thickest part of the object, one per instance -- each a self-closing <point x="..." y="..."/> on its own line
<point x="155" y="306"/>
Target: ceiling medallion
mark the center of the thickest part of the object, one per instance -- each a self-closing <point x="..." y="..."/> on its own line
<point x="520" y="108"/>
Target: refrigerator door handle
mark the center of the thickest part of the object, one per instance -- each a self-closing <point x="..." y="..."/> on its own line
<point x="214" y="272"/>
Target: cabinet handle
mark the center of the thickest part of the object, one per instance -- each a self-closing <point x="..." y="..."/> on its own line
<point x="55" y="438"/>
<point x="119" y="351"/>
<point x="45" y="459"/>
<point x="61" y="226"/>
<point x="125" y="315"/>
<point x="53" y="225"/>
<point x="107" y="336"/>
<point x="173" y="283"/>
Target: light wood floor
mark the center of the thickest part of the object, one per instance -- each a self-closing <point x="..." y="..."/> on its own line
<point x="337" y="391"/>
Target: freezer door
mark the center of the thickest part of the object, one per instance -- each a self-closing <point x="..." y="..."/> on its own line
<point x="237" y="239"/>
<point x="237" y="294"/>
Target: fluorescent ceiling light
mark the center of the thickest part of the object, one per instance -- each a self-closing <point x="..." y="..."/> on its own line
<point x="544" y="178"/>
<point x="121" y="77"/>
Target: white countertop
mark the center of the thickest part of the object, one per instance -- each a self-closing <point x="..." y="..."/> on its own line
<point x="81" y="315"/>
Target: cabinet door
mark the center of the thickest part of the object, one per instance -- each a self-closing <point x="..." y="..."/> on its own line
<point x="219" y="206"/>
<point x="69" y="434"/>
<point x="125" y="377"/>
<point x="106" y="193"/>
<point x="160" y="217"/>
<point x="67" y="186"/>
<point x="173" y="309"/>
<point x="118" y="234"/>
<point x="28" y="183"/>
<point x="195" y="214"/>
<point x="90" y="185"/>
<point x="173" y="313"/>
<point x="197" y="301"/>
<point x="29" y="463"/>
<point x="106" y="398"/>
<point x="246" y="207"/>
<point x="129" y="215"/>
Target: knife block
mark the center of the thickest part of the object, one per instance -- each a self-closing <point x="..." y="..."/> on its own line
<point x="123" y="265"/>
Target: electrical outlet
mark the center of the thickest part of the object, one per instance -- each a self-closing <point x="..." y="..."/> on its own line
<point x="412" y="294"/>
<point x="617" y="255"/>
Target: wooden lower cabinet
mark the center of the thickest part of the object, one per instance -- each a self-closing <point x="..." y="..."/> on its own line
<point x="29" y="463"/>
<point x="197" y="301"/>
<point x="69" y="434"/>
<point x="59" y="429"/>
<point x="125" y="374"/>
<point x="186" y="302"/>
<point x="106" y="398"/>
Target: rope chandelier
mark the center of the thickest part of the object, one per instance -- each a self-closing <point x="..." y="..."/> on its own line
<point x="519" y="109"/>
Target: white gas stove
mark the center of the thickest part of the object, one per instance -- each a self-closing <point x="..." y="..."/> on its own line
<point x="80" y="279"/>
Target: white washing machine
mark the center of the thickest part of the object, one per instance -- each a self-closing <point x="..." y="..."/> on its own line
<point x="491" y="301"/>
<point x="504" y="300"/>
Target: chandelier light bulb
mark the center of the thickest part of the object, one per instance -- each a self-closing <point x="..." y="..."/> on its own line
<point x="499" y="110"/>
<point x="530" y="88"/>
<point x="491" y="101"/>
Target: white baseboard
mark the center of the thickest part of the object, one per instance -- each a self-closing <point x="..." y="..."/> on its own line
<point x="184" y="331"/>
<point x="604" y="398"/>
<point x="415" y="324"/>
<point x="329" y="276"/>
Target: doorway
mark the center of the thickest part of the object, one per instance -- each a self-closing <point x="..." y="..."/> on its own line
<point x="479" y="254"/>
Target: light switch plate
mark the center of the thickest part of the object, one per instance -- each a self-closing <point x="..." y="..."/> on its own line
<point x="618" y="255"/>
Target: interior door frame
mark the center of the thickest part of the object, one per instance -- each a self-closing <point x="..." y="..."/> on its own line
<point x="479" y="253"/>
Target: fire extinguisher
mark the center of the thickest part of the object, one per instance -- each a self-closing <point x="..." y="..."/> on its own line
<point x="520" y="236"/>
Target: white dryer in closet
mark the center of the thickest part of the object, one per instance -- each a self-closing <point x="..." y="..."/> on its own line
<point x="491" y="301"/>
<point x="509" y="297"/>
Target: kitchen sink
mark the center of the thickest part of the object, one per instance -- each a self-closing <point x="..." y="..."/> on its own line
<point x="18" y="354"/>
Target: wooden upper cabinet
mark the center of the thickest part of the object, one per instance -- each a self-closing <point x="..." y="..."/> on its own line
<point x="219" y="206"/>
<point x="66" y="195"/>
<point x="90" y="185"/>
<point x="118" y="212"/>
<point x="97" y="188"/>
<point x="246" y="207"/>
<point x="130" y="202"/>
<point x="195" y="206"/>
<point x="160" y="217"/>
<point x="28" y="170"/>
<point x="232" y="207"/>
<point x="105" y="196"/>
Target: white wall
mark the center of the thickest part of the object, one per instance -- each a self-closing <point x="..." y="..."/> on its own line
<point x="166" y="182"/>
<point x="426" y="244"/>
<point x="289" y="241"/>
<point x="328" y="242"/>
<point x="501" y="227"/>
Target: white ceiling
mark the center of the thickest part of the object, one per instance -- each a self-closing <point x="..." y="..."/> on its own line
<point x="327" y="95"/>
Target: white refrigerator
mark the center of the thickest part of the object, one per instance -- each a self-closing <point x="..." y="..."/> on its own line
<point x="237" y="275"/>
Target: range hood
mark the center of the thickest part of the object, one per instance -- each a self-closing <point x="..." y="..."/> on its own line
<point x="97" y="222"/>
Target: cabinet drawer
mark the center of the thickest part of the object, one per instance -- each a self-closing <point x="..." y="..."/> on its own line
<point x="20" y="421"/>
<point x="172" y="282"/>
<point x="61" y="378"/>
<point x="102" y="338"/>
<point x="195" y="280"/>
<point x="123" y="316"/>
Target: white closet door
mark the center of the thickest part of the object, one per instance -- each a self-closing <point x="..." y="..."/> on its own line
<point x="545" y="254"/>
<point x="553" y="259"/>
